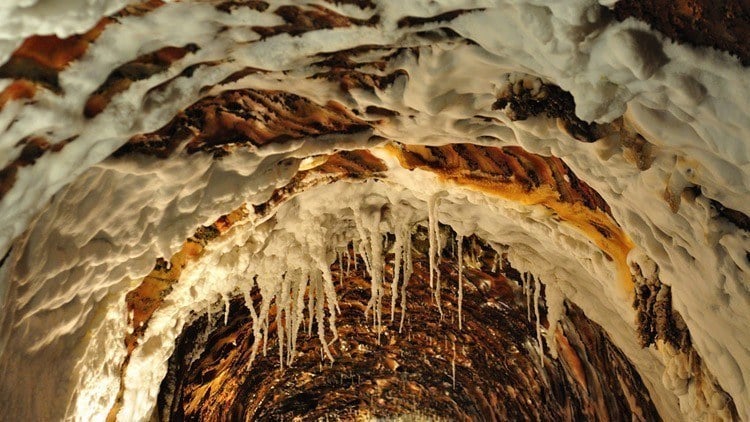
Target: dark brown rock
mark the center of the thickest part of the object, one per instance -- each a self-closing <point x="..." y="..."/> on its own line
<point x="497" y="368"/>
<point x="721" y="24"/>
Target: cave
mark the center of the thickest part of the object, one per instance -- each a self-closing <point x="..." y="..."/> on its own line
<point x="373" y="210"/>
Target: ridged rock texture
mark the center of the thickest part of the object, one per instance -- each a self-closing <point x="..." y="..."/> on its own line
<point x="416" y="210"/>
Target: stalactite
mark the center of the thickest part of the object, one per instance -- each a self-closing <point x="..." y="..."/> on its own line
<point x="460" y="241"/>
<point x="555" y="301"/>
<point x="433" y="232"/>
<point x="408" y="271"/>
<point x="537" y="292"/>
<point x="397" y="262"/>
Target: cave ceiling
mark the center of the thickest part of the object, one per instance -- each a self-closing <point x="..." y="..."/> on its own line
<point x="341" y="209"/>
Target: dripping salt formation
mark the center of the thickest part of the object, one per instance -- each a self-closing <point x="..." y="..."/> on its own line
<point x="557" y="182"/>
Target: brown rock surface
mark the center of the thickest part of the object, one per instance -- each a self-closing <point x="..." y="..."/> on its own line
<point x="497" y="367"/>
<point x="722" y="24"/>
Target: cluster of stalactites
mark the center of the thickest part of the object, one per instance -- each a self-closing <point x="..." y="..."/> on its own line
<point x="293" y="274"/>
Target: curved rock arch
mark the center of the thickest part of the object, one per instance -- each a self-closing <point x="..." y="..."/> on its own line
<point x="240" y="99"/>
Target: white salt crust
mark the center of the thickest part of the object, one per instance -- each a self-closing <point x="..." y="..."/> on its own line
<point x="24" y="18"/>
<point x="83" y="249"/>
<point x="291" y="239"/>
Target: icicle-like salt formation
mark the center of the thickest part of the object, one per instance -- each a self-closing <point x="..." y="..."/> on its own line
<point x="371" y="248"/>
<point x="318" y="289"/>
<point x="256" y="321"/>
<point x="364" y="248"/>
<point x="326" y="289"/>
<point x="339" y="259"/>
<point x="350" y="257"/>
<point x="433" y="231"/>
<point x="281" y="306"/>
<point x="537" y="290"/>
<point x="408" y="270"/>
<point x="397" y="259"/>
<point x="432" y="236"/>
<point x="310" y="275"/>
<point x="226" y="308"/>
<point x="527" y="291"/>
<point x="377" y="277"/>
<point x="555" y="309"/>
<point x="267" y="286"/>
<point x="310" y="306"/>
<point x="438" y="281"/>
<point x="460" y="242"/>
<point x="284" y="323"/>
<point x="298" y="291"/>
<point x="306" y="254"/>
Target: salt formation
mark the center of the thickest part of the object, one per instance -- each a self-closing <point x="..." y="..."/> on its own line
<point x="555" y="302"/>
<point x="460" y="253"/>
<point x="433" y="234"/>
<point x="608" y="163"/>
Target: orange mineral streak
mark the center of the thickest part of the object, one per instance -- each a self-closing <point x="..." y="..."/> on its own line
<point x="571" y="358"/>
<point x="39" y="59"/>
<point x="529" y="179"/>
<point x="56" y="53"/>
<point x="145" y="299"/>
<point x="16" y="90"/>
<point x="246" y="116"/>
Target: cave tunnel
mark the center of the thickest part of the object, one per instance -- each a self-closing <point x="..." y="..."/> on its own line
<point x="325" y="210"/>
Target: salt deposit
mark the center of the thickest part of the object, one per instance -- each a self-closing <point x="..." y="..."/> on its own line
<point x="85" y="228"/>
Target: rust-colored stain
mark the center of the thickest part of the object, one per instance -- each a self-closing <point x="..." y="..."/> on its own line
<point x="514" y="174"/>
<point x="40" y="58"/>
<point x="56" y="53"/>
<point x="245" y="117"/>
<point x="17" y="89"/>
<point x="146" y="299"/>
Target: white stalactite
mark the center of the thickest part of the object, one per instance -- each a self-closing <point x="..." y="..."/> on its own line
<point x="537" y="291"/>
<point x="460" y="242"/>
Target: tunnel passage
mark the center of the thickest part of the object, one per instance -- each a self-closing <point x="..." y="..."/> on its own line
<point x="489" y="369"/>
<point x="164" y="164"/>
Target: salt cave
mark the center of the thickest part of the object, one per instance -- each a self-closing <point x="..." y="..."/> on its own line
<point x="374" y="209"/>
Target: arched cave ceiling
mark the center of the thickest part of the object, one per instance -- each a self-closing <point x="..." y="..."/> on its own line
<point x="331" y="209"/>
